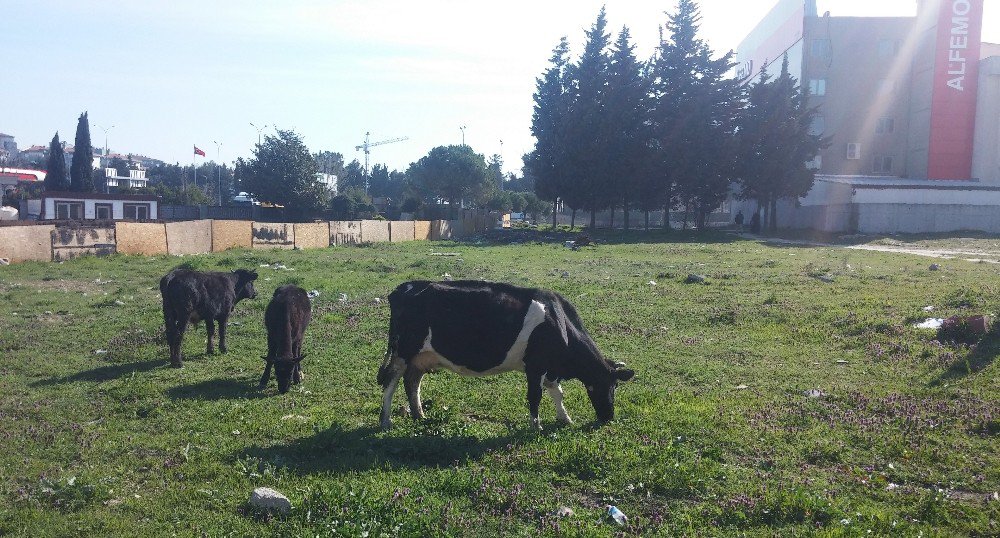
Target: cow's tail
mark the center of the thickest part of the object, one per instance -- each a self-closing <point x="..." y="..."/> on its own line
<point x="385" y="371"/>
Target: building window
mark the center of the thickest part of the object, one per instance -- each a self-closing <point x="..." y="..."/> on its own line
<point x="69" y="210"/>
<point x="885" y="126"/>
<point x="103" y="212"/>
<point x="817" y="86"/>
<point x="853" y="151"/>
<point x="821" y="48"/>
<point x="883" y="164"/>
<point x="887" y="48"/>
<point x="818" y="125"/>
<point x="137" y="211"/>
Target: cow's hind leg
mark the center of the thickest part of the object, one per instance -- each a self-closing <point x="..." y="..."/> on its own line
<point x="389" y="376"/>
<point x="180" y="326"/>
<point x="535" y="380"/>
<point x="210" y="329"/>
<point x="556" y="392"/>
<point x="411" y="382"/>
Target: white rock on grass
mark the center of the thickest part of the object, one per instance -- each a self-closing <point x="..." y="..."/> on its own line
<point x="269" y="499"/>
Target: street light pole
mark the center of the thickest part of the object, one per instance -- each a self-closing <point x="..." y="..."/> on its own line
<point x="462" y="128"/>
<point x="106" y="188"/>
<point x="218" y="151"/>
<point x="259" y="130"/>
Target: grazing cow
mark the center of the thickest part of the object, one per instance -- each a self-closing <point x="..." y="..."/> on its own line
<point x="286" y="319"/>
<point x="192" y="296"/>
<point x="482" y="328"/>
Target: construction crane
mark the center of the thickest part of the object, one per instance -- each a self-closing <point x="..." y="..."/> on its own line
<point x="367" y="145"/>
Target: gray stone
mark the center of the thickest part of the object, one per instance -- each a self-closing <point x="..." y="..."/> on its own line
<point x="694" y="279"/>
<point x="269" y="499"/>
<point x="935" y="267"/>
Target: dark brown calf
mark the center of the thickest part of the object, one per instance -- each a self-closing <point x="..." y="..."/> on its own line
<point x="286" y="319"/>
<point x="192" y="296"/>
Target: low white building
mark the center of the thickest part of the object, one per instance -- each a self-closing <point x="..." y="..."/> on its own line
<point x="96" y="206"/>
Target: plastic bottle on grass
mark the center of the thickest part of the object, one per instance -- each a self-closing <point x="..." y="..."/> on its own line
<point x="617" y="515"/>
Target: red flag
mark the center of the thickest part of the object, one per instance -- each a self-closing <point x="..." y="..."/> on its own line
<point x="198" y="151"/>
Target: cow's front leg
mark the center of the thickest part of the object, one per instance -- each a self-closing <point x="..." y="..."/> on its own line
<point x="534" y="397"/>
<point x="178" y="340"/>
<point x="411" y="382"/>
<point x="210" y="329"/>
<point x="297" y="375"/>
<point x="389" y="388"/>
<point x="223" y="323"/>
<point x="556" y="392"/>
<point x="266" y="377"/>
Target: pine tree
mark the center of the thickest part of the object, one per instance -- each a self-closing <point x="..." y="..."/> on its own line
<point x="588" y="118"/>
<point x="548" y="161"/>
<point x="776" y="143"/>
<point x="693" y="116"/>
<point x="55" y="168"/>
<point x="81" y="169"/>
<point x="627" y="132"/>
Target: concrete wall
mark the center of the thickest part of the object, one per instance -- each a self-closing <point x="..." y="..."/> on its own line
<point x="227" y="234"/>
<point x="401" y="230"/>
<point x="144" y="238"/>
<point x="189" y="237"/>
<point x="26" y="243"/>
<point x="273" y="235"/>
<point x="346" y="232"/>
<point x="312" y="235"/>
<point x="885" y="218"/>
<point x="421" y="230"/>
<point x="69" y="243"/>
<point x="986" y="148"/>
<point x="374" y="231"/>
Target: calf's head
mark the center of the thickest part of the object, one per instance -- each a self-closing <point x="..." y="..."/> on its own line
<point x="283" y="370"/>
<point x="244" y="284"/>
<point x="602" y="390"/>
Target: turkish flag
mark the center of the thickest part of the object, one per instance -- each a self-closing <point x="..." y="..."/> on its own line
<point x="198" y="151"/>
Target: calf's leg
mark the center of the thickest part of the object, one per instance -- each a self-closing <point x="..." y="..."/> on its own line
<point x="210" y="329"/>
<point x="223" y="323"/>
<point x="395" y="372"/>
<point x="534" y="396"/>
<point x="297" y="375"/>
<point x="411" y="382"/>
<point x="266" y="377"/>
<point x="556" y="392"/>
<point x="175" y="348"/>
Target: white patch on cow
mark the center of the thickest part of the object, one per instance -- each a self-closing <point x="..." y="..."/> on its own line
<point x="514" y="360"/>
<point x="385" y="420"/>
<point x="409" y="287"/>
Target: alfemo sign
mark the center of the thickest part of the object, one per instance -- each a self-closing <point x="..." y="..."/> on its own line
<point x="958" y="57"/>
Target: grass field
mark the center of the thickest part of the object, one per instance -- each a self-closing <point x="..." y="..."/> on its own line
<point x="715" y="436"/>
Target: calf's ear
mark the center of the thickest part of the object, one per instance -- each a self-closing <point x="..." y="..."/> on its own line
<point x="624" y="374"/>
<point x="299" y="359"/>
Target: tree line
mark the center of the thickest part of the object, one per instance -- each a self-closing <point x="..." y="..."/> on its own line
<point x="672" y="132"/>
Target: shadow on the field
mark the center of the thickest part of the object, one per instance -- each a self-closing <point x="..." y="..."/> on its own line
<point x="216" y="389"/>
<point x="979" y="358"/>
<point x="103" y="373"/>
<point x="342" y="450"/>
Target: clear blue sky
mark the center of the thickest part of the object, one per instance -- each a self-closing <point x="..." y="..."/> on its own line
<point x="169" y="74"/>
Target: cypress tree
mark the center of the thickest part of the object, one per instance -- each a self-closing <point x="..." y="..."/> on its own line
<point x="55" y="168"/>
<point x="548" y="160"/>
<point x="82" y="168"/>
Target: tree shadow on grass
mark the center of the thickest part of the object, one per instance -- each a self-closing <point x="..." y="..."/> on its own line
<point x="216" y="389"/>
<point x="341" y="450"/>
<point x="103" y="373"/>
<point x="979" y="358"/>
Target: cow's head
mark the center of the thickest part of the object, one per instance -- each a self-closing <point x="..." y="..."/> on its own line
<point x="602" y="391"/>
<point x="244" y="284"/>
<point x="283" y="371"/>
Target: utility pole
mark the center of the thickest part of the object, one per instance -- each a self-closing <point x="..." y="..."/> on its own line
<point x="218" y="151"/>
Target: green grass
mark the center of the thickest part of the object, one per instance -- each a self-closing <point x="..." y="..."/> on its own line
<point x="903" y="441"/>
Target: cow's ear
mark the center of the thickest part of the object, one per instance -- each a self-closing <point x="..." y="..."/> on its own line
<point x="624" y="374"/>
<point x="300" y="358"/>
<point x="618" y="364"/>
<point x="253" y="275"/>
<point x="265" y="358"/>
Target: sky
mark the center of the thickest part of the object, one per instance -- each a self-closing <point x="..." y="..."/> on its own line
<point x="159" y="76"/>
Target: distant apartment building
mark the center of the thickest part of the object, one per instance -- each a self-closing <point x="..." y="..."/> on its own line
<point x="8" y="148"/>
<point x="910" y="106"/>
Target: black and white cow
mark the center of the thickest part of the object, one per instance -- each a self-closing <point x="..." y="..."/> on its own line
<point x="482" y="328"/>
